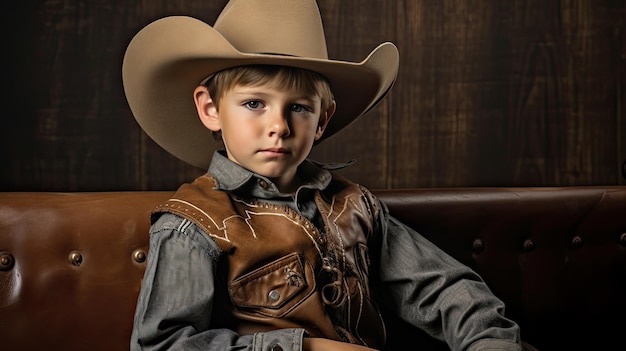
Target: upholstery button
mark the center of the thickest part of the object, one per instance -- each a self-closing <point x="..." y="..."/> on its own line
<point x="577" y="242"/>
<point x="478" y="246"/>
<point x="75" y="258"/>
<point x="277" y="348"/>
<point x="529" y="245"/>
<point x="274" y="295"/>
<point x="139" y="256"/>
<point x="6" y="261"/>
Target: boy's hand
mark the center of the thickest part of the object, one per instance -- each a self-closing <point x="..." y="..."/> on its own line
<point x="320" y="344"/>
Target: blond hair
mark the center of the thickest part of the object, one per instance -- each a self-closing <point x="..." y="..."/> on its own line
<point x="280" y="77"/>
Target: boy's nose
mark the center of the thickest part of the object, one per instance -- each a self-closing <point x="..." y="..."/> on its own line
<point x="279" y="125"/>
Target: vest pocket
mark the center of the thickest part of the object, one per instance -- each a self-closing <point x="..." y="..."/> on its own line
<point x="275" y="288"/>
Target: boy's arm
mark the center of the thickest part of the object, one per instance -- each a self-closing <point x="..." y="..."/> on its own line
<point x="436" y="293"/>
<point x="320" y="344"/>
<point x="175" y="303"/>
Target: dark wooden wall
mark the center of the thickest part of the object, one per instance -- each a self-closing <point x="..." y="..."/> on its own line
<point x="490" y="93"/>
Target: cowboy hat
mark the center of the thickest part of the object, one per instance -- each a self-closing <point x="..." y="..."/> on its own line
<point x="170" y="57"/>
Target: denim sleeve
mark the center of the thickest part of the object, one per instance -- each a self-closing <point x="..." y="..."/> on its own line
<point x="174" y="307"/>
<point x="436" y="293"/>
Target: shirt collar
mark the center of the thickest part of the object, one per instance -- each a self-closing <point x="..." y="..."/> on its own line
<point x="232" y="177"/>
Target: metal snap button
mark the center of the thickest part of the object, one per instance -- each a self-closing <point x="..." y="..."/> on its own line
<point x="276" y="348"/>
<point x="274" y="295"/>
<point x="263" y="184"/>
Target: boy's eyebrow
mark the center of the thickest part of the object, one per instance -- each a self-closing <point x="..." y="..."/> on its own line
<point x="261" y="92"/>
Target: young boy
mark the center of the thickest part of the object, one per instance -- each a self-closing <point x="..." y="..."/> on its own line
<point x="269" y="250"/>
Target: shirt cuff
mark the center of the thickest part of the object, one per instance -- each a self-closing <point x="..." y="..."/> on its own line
<point x="495" y="345"/>
<point x="279" y="340"/>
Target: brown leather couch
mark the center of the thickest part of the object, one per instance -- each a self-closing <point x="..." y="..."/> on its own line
<point x="71" y="263"/>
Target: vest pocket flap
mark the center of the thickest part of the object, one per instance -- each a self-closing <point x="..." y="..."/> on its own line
<point x="272" y="285"/>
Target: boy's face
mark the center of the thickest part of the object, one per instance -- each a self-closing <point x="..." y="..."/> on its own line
<point x="266" y="130"/>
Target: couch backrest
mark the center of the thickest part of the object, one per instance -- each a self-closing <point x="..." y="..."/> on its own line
<point x="71" y="267"/>
<point x="556" y="256"/>
<point x="71" y="263"/>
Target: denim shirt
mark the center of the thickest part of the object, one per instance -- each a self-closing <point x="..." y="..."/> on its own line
<point x="442" y="297"/>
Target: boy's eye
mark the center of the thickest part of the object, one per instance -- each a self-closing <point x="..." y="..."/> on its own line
<point x="254" y="104"/>
<point x="299" y="108"/>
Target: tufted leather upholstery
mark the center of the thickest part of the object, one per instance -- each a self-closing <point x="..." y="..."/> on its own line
<point x="71" y="263"/>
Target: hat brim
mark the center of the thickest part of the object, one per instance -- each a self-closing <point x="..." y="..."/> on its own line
<point x="170" y="57"/>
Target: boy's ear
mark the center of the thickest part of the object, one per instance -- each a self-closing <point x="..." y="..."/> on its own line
<point x="324" y="119"/>
<point x="206" y="109"/>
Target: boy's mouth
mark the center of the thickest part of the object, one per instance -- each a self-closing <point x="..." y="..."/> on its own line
<point x="275" y="151"/>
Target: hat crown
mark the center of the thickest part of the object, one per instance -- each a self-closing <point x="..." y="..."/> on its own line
<point x="283" y="27"/>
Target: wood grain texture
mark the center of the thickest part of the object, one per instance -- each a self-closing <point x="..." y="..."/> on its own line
<point x="490" y="93"/>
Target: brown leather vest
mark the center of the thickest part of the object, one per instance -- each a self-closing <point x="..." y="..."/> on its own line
<point x="281" y="272"/>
